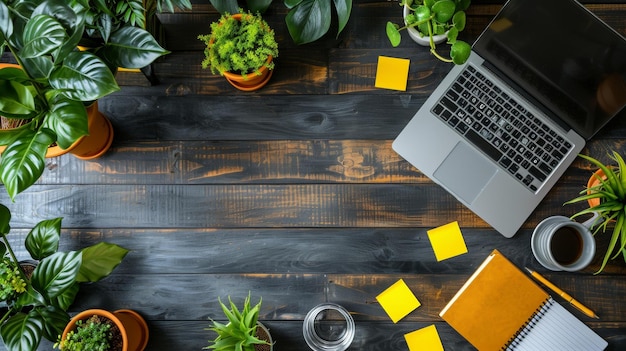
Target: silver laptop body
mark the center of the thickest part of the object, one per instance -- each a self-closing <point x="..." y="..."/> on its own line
<point x="536" y="73"/>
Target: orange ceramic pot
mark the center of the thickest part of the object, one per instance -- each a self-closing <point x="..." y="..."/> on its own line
<point x="593" y="182"/>
<point x="133" y="327"/>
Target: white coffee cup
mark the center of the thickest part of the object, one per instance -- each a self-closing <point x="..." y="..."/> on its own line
<point x="561" y="244"/>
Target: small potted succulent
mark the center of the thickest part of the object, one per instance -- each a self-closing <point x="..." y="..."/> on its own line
<point x="241" y="47"/>
<point x="606" y="195"/>
<point x="37" y="304"/>
<point x="243" y="330"/>
<point x="430" y="22"/>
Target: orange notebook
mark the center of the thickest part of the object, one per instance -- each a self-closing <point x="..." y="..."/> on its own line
<point x="501" y="308"/>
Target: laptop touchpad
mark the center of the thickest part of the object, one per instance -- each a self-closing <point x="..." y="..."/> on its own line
<point x="465" y="172"/>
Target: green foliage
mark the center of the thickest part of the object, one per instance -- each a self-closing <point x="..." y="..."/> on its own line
<point x="56" y="80"/>
<point x="611" y="191"/>
<point x="435" y="17"/>
<point x="307" y="20"/>
<point x="88" y="336"/>
<point x="239" y="46"/>
<point x="240" y="332"/>
<point x="39" y="310"/>
<point x="11" y="282"/>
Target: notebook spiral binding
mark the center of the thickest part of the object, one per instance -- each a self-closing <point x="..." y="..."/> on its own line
<point x="511" y="345"/>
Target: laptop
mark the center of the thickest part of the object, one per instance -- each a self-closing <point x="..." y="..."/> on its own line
<point x="500" y="130"/>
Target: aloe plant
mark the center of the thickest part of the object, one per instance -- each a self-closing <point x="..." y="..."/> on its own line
<point x="611" y="191"/>
<point x="240" y="331"/>
<point x="40" y="309"/>
<point x="435" y="17"/>
<point x="56" y="80"/>
<point x="307" y="20"/>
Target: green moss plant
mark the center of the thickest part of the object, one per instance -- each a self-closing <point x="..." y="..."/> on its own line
<point x="239" y="45"/>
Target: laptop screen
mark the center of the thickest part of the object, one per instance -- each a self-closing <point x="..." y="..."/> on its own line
<point x="563" y="56"/>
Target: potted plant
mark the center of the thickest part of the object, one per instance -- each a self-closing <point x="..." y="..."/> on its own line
<point x="243" y="330"/>
<point x="307" y="20"/>
<point x="96" y="329"/>
<point x="430" y="22"/>
<point x="606" y="195"/>
<point x="38" y="307"/>
<point x="56" y="85"/>
<point x="241" y="47"/>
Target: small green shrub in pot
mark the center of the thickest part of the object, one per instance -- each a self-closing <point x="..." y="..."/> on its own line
<point x="240" y="46"/>
<point x="90" y="335"/>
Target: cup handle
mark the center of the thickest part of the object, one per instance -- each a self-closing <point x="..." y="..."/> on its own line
<point x="594" y="220"/>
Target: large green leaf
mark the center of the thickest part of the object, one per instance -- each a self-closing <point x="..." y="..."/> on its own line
<point x="56" y="273"/>
<point x="22" y="332"/>
<point x="309" y="20"/>
<point x="5" y="219"/>
<point x="343" y="7"/>
<point x="68" y="119"/>
<point x="54" y="320"/>
<point x="131" y="47"/>
<point x="43" y="240"/>
<point x="83" y="77"/>
<point x="99" y="261"/>
<point x="23" y="161"/>
<point x="16" y="99"/>
<point x="6" y="25"/>
<point x="43" y="35"/>
<point x="39" y="68"/>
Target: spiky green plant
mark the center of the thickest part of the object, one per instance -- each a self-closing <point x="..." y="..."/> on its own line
<point x="611" y="191"/>
<point x="240" y="332"/>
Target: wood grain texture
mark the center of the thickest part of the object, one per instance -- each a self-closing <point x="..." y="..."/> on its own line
<point x="292" y="193"/>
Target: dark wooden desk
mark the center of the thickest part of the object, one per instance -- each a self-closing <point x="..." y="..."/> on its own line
<point x="292" y="192"/>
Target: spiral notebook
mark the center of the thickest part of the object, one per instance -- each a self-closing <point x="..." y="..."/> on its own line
<point x="501" y="308"/>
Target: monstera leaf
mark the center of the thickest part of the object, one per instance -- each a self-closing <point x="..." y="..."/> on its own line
<point x="309" y="20"/>
<point x="131" y="47"/>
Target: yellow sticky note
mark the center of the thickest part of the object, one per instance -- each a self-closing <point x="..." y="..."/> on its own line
<point x="398" y="300"/>
<point x="447" y="241"/>
<point x="392" y="73"/>
<point x="424" y="339"/>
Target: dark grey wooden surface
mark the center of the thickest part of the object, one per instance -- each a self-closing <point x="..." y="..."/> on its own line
<point x="292" y="193"/>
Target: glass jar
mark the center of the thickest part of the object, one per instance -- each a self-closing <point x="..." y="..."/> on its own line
<point x="328" y="327"/>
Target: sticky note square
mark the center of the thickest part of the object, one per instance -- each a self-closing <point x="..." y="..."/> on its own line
<point x="392" y="73"/>
<point x="447" y="241"/>
<point x="398" y="301"/>
<point x="424" y="339"/>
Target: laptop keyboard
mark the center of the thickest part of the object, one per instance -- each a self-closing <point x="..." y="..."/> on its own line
<point x="503" y="129"/>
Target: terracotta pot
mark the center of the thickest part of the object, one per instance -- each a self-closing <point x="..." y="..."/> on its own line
<point x="89" y="146"/>
<point x="133" y="327"/>
<point x="252" y="81"/>
<point x="593" y="182"/>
